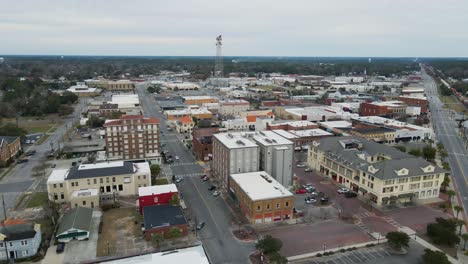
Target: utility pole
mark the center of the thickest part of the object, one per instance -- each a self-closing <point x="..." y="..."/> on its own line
<point x="4" y="209"/>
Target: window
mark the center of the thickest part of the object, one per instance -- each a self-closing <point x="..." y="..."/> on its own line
<point x="55" y="185"/>
<point x="1" y="245"/>
<point x="101" y="180"/>
<point x="76" y="184"/>
<point x="95" y="181"/>
<point x="259" y="208"/>
<point x="84" y="203"/>
<point x="24" y="242"/>
<point x="61" y="185"/>
<point x="287" y="204"/>
<point x="120" y="187"/>
<point x="277" y="206"/>
<point x="113" y="179"/>
<point x="25" y="252"/>
<point x="62" y="196"/>
<point x="107" y="179"/>
<point x="55" y="196"/>
<point x="89" y="181"/>
<point x="72" y="184"/>
<point x="144" y="177"/>
<point x="268" y="207"/>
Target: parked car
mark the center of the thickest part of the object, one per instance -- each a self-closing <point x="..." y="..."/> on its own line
<point x="301" y="191"/>
<point x="53" y="165"/>
<point x="205" y="178"/>
<point x="60" y="247"/>
<point x="178" y="179"/>
<point x="324" y="200"/>
<point x="216" y="193"/>
<point x="212" y="188"/>
<point x="309" y="189"/>
<point x="310" y="200"/>
<point x="28" y="141"/>
<point x="308" y="170"/>
<point x="300" y="165"/>
<point x="22" y="161"/>
<point x="343" y="190"/>
<point x="176" y="157"/>
<point x="74" y="163"/>
<point x="350" y="194"/>
<point x="200" y="225"/>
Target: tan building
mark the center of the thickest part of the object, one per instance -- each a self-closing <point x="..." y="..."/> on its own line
<point x="233" y="107"/>
<point x="88" y="185"/>
<point x="9" y="147"/>
<point x="132" y="137"/>
<point x="261" y="198"/>
<point x="377" y="134"/>
<point x="199" y="100"/>
<point x="382" y="174"/>
<point x="120" y="85"/>
<point x="185" y="125"/>
<point x="200" y="113"/>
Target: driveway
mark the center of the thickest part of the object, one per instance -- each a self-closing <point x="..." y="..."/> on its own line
<point x="78" y="251"/>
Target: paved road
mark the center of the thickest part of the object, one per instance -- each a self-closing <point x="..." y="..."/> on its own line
<point x="20" y="177"/>
<point x="446" y="131"/>
<point x="220" y="245"/>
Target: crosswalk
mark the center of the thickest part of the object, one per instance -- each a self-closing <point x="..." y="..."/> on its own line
<point x="198" y="174"/>
<point x="177" y="164"/>
<point x="391" y="221"/>
<point x="365" y="214"/>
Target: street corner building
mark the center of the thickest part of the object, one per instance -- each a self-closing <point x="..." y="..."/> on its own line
<point x="160" y="219"/>
<point x="380" y="173"/>
<point x="75" y="224"/>
<point x="19" y="240"/>
<point x="9" y="147"/>
<point x="90" y="185"/>
<point x="156" y="195"/>
<point x="261" y="198"/>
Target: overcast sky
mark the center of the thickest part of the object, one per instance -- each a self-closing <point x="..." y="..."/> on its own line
<point x="393" y="28"/>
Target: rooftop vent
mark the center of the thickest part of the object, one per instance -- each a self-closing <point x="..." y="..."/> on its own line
<point x="240" y="142"/>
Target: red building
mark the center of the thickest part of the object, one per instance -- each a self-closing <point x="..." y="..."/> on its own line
<point x="156" y="195"/>
<point x="385" y="108"/>
<point x="202" y="142"/>
<point x="415" y="101"/>
<point x="160" y="219"/>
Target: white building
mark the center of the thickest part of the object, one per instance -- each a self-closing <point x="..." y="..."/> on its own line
<point x="276" y="156"/>
<point x="233" y="107"/>
<point x="234" y="153"/>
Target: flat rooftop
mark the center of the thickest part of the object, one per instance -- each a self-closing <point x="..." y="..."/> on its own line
<point x="336" y="124"/>
<point x="311" y="133"/>
<point x="195" y="255"/>
<point x="199" y="97"/>
<point x="111" y="168"/>
<point x="260" y="185"/>
<point x="58" y="176"/>
<point x="270" y="138"/>
<point x="157" y="189"/>
<point x="236" y="140"/>
<point x="285" y="134"/>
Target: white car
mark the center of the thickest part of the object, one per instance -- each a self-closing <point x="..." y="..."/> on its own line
<point x="215" y="193"/>
<point x="300" y="165"/>
<point x="343" y="190"/>
<point x="176" y="157"/>
<point x="308" y="170"/>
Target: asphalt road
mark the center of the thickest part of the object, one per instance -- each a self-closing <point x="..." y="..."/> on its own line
<point x="20" y="179"/>
<point x="219" y="243"/>
<point x="446" y="131"/>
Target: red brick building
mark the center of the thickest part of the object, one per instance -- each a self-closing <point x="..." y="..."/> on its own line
<point x="415" y="101"/>
<point x="202" y="142"/>
<point x="162" y="218"/>
<point x="156" y="195"/>
<point x="9" y="147"/>
<point x="385" y="108"/>
<point x="132" y="137"/>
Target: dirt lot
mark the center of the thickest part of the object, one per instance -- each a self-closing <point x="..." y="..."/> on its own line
<point x="35" y="124"/>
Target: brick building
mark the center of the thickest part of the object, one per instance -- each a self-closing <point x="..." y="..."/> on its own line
<point x="386" y="108"/>
<point x="261" y="198"/>
<point x="415" y="101"/>
<point x="132" y="137"/>
<point x="202" y="142"/>
<point x="161" y="218"/>
<point x="9" y="147"/>
<point x="156" y="195"/>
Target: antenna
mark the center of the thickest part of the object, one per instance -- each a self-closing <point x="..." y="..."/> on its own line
<point x="219" y="69"/>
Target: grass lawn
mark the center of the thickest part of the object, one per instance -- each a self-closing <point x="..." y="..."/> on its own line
<point x="452" y="103"/>
<point x="160" y="182"/>
<point x="117" y="225"/>
<point x="37" y="199"/>
<point x="37" y="128"/>
<point x="43" y="139"/>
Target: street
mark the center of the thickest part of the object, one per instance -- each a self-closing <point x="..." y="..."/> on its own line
<point x="446" y="131"/>
<point x="217" y="238"/>
<point x="20" y="179"/>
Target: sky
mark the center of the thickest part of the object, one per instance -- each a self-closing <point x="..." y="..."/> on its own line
<point x="351" y="28"/>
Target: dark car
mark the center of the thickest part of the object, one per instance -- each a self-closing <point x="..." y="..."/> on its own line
<point x="60" y="247"/>
<point x="74" y="163"/>
<point x="53" y="165"/>
<point x="212" y="188"/>
<point x="200" y="225"/>
<point x="324" y="200"/>
<point x="350" y="194"/>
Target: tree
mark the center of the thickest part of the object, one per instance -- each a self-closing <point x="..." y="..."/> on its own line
<point x="465" y="238"/>
<point x="451" y="194"/>
<point x="415" y="152"/>
<point x="443" y="153"/>
<point x="401" y="148"/>
<point x="398" y="240"/>
<point x="155" y="170"/>
<point x="445" y="183"/>
<point x="174" y="232"/>
<point x="116" y="115"/>
<point x="443" y="231"/>
<point x="445" y="165"/>
<point x="95" y="121"/>
<point x="65" y="110"/>
<point x="157" y="238"/>
<point x="269" y="245"/>
<point x="174" y="200"/>
<point x="434" y="257"/>
<point x="429" y="152"/>
<point x="12" y="130"/>
<point x="457" y="209"/>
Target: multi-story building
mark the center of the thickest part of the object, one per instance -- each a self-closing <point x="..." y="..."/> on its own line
<point x="378" y="134"/>
<point x="383" y="108"/>
<point x="88" y="185"/>
<point x="184" y="125"/>
<point x="156" y="195"/>
<point x="19" y="240"/>
<point x="199" y="100"/>
<point x="261" y="198"/>
<point x="120" y="85"/>
<point x="202" y="142"/>
<point x="234" y="153"/>
<point x="9" y="147"/>
<point x="382" y="174"/>
<point x="276" y="156"/>
<point x="419" y="101"/>
<point x="302" y="138"/>
<point x="200" y="113"/>
<point x="108" y="110"/>
<point x="233" y="107"/>
<point x="132" y="137"/>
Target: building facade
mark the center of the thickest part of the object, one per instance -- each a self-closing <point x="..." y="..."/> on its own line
<point x="20" y="240"/>
<point x="156" y="195"/>
<point x="132" y="137"/>
<point x="160" y="219"/>
<point x="202" y="142"/>
<point x="9" y="147"/>
<point x="120" y="85"/>
<point x="107" y="181"/>
<point x="233" y="153"/>
<point x="415" y="101"/>
<point x="233" y="107"/>
<point x="199" y="100"/>
<point x="261" y="198"/>
<point x="387" y="108"/>
<point x="382" y="174"/>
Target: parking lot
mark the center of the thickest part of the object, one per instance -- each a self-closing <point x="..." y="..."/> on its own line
<point x="74" y="249"/>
